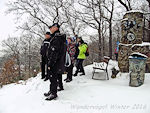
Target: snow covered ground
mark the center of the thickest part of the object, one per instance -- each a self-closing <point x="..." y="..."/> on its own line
<point x="82" y="95"/>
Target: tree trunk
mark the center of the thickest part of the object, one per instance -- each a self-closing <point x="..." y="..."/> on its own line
<point x="25" y="60"/>
<point x="29" y="59"/>
<point x="110" y="39"/>
<point x="103" y="38"/>
<point x="148" y="31"/>
<point x="125" y="5"/>
<point x="29" y="66"/>
<point x="100" y="48"/>
<point x="18" y="63"/>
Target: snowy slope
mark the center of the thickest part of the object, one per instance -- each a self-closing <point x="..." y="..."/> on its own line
<point x="83" y="95"/>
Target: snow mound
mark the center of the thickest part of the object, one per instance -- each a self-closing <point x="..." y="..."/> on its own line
<point x="82" y="95"/>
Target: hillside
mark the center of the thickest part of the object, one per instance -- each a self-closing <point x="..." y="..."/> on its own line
<point x="82" y="95"/>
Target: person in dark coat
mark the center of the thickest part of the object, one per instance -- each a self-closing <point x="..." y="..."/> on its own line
<point x="62" y="63"/>
<point x="78" y="39"/>
<point x="77" y="49"/>
<point x="71" y="49"/>
<point x="56" y="59"/>
<point x="117" y="50"/>
<point x="43" y="52"/>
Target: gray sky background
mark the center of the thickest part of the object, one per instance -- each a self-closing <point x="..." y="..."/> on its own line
<point x="7" y="25"/>
<point x="7" y="22"/>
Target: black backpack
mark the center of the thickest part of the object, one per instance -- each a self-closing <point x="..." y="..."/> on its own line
<point x="87" y="51"/>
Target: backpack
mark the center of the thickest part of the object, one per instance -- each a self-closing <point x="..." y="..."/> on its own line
<point x="87" y="51"/>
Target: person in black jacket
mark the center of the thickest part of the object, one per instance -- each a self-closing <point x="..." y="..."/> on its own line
<point x="43" y="52"/>
<point x="78" y="39"/>
<point x="56" y="60"/>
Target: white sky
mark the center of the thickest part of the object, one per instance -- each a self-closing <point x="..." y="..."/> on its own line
<point x="7" y="25"/>
<point x="7" y="22"/>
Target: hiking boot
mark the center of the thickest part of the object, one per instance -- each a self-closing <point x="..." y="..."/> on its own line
<point x="82" y="74"/>
<point x="60" y="89"/>
<point x="46" y="79"/>
<point x="68" y="80"/>
<point x="51" y="97"/>
<point x="75" y="75"/>
<point x="42" y="77"/>
<point x="65" y="79"/>
<point x="47" y="94"/>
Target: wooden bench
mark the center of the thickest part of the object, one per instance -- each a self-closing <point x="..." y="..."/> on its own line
<point x="101" y="66"/>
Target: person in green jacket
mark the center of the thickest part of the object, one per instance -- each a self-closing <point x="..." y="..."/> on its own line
<point x="81" y="57"/>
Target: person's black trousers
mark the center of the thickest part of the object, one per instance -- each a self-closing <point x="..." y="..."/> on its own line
<point x="60" y="83"/>
<point x="116" y="54"/>
<point x="53" y="81"/>
<point x="43" y="65"/>
<point x="70" y="72"/>
<point x="80" y="66"/>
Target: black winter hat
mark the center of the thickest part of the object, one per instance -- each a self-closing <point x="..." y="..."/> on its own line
<point x="81" y="41"/>
<point x="47" y="33"/>
<point x="55" y="24"/>
<point x="80" y="38"/>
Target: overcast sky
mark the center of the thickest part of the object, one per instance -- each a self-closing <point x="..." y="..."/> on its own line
<point x="7" y="22"/>
<point x="7" y="25"/>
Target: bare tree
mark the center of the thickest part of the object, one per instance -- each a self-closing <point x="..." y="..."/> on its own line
<point x="12" y="48"/>
<point x="126" y="4"/>
<point x="95" y="13"/>
<point x="109" y="20"/>
<point x="39" y="13"/>
<point x="149" y="20"/>
<point x="73" y="24"/>
<point x="91" y="14"/>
